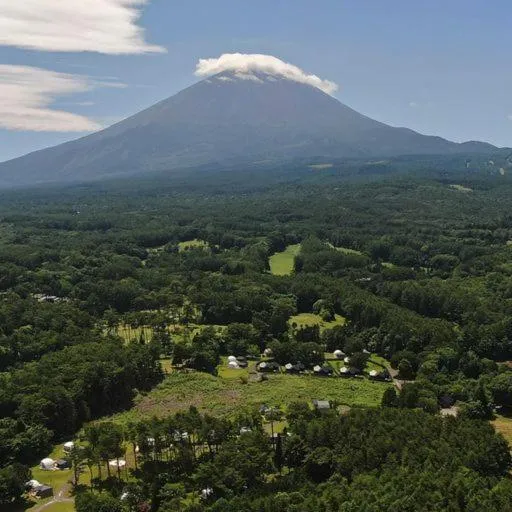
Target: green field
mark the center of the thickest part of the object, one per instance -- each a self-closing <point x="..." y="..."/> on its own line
<point x="193" y="244"/>
<point x="310" y="319"/>
<point x="226" y="394"/>
<point x="282" y="263"/>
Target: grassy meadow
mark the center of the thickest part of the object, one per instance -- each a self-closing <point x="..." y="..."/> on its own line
<point x="282" y="263"/>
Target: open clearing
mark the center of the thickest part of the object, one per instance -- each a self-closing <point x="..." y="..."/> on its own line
<point x="461" y="188"/>
<point x="192" y="244"/>
<point x="226" y="394"/>
<point x="310" y="319"/>
<point x="282" y="263"/>
<point x="503" y="425"/>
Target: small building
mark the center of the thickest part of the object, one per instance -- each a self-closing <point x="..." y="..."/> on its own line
<point x="62" y="464"/>
<point x="43" y="491"/>
<point x="117" y="463"/>
<point x="269" y="367"/>
<point x="322" y="405"/>
<point x="322" y="371"/>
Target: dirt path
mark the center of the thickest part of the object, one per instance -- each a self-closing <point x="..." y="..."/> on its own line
<point x="61" y="497"/>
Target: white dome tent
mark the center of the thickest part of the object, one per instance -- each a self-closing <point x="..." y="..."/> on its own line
<point x="231" y="359"/>
<point x="339" y="354"/>
<point x="47" y="464"/>
<point x="233" y="365"/>
<point x="69" y="446"/>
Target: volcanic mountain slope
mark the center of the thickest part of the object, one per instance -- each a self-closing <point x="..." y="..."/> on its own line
<point x="228" y="117"/>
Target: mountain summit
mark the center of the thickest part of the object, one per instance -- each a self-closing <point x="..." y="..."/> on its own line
<point x="232" y="116"/>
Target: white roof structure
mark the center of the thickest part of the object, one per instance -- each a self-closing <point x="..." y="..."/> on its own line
<point x="69" y="446"/>
<point x="206" y="493"/>
<point x="232" y="359"/>
<point x="317" y="369"/>
<point x="344" y="370"/>
<point x="366" y="351"/>
<point x="32" y="484"/>
<point x="121" y="463"/>
<point x="47" y="464"/>
<point x="288" y="366"/>
<point x="374" y="373"/>
<point x="245" y="430"/>
<point x="263" y="365"/>
<point x="233" y="364"/>
<point x="346" y="360"/>
<point x="267" y="352"/>
<point x="339" y="354"/>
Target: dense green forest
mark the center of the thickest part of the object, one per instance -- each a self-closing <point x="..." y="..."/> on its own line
<point x="116" y="294"/>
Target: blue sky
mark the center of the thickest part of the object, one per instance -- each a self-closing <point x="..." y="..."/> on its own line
<point x="439" y="67"/>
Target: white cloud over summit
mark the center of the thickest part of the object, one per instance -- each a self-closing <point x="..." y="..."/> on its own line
<point x="104" y="26"/>
<point x="244" y="65"/>
<point x="26" y="95"/>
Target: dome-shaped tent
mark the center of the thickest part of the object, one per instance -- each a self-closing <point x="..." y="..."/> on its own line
<point x="69" y="446"/>
<point x="233" y="365"/>
<point x="339" y="354"/>
<point x="47" y="464"/>
<point x="232" y="359"/>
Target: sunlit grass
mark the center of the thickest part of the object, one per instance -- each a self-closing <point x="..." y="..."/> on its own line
<point x="282" y="263"/>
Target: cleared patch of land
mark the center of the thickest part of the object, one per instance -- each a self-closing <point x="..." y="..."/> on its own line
<point x="282" y="263"/>
<point x="227" y="394"/>
<point x="321" y="167"/>
<point x="192" y="244"/>
<point x="346" y="250"/>
<point x="503" y="424"/>
<point x="310" y="319"/>
<point x="461" y="188"/>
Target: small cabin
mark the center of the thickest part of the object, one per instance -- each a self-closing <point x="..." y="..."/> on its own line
<point x="322" y="405"/>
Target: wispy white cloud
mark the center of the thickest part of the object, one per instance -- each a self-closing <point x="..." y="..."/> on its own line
<point x="104" y="26"/>
<point x="509" y="117"/>
<point x="413" y="104"/>
<point x="26" y="96"/>
<point x="244" y="65"/>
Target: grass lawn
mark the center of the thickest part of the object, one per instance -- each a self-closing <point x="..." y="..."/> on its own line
<point x="282" y="263"/>
<point x="192" y="244"/>
<point x="310" y="319"/>
<point x="503" y="425"/>
<point x="226" y="394"/>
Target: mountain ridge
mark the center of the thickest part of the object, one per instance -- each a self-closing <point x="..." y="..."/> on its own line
<point x="227" y="117"/>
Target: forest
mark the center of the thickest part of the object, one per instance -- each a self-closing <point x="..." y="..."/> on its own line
<point x="274" y="339"/>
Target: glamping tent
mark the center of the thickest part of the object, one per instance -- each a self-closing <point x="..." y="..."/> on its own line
<point x="69" y="446"/>
<point x="374" y="374"/>
<point x="233" y="364"/>
<point x="231" y="359"/>
<point x="267" y="352"/>
<point x="47" y="464"/>
<point x="338" y="354"/>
